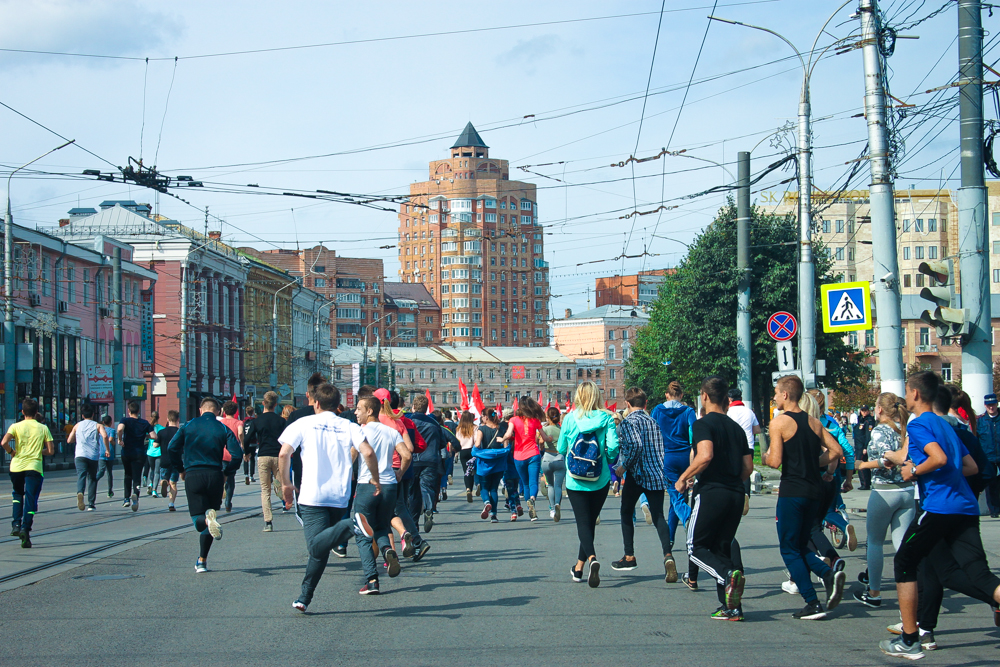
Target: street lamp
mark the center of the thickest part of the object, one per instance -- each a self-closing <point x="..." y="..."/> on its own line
<point x="9" y="355"/>
<point x="807" y="266"/>
<point x="274" y="336"/>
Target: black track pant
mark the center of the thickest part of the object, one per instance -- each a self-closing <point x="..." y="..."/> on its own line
<point x="133" y="472"/>
<point x="940" y="570"/>
<point x="468" y="468"/>
<point x="587" y="508"/>
<point x="958" y="532"/>
<point x="711" y="530"/>
<point x="203" y="487"/>
<point x="630" y="496"/>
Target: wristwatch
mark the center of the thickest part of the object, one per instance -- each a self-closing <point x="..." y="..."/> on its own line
<point x="913" y="470"/>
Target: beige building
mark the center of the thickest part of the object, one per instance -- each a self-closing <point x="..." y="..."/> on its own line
<point x="472" y="237"/>
<point x="599" y="340"/>
<point x="926" y="230"/>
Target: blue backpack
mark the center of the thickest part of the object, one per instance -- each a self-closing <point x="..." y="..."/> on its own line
<point x="584" y="460"/>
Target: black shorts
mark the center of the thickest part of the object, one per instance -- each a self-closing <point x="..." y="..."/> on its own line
<point x="959" y="531"/>
<point x="204" y="490"/>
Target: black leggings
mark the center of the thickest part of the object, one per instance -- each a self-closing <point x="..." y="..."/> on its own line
<point x="630" y="496"/>
<point x="587" y="508"/>
<point x="250" y="464"/>
<point x="468" y="468"/>
<point x="204" y="492"/>
<point x="132" y="473"/>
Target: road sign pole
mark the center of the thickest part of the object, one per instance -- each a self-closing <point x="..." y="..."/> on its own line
<point x="743" y="340"/>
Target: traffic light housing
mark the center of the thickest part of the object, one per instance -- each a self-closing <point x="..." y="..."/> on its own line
<point x="947" y="321"/>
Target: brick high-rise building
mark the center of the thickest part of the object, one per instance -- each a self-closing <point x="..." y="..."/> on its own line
<point x="640" y="289"/>
<point x="472" y="237"/>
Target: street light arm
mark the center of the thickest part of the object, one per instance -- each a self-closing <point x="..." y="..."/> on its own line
<point x="28" y="164"/>
<point x="812" y="64"/>
<point x="802" y="61"/>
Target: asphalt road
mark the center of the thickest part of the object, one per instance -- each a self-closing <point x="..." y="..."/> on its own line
<point x="484" y="595"/>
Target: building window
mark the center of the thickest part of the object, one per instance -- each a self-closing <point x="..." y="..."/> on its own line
<point x="906" y="280"/>
<point x="611" y="351"/>
<point x="613" y="374"/>
<point x="869" y="338"/>
<point x="826" y="226"/>
<point x="611" y="334"/>
<point x="906" y="252"/>
<point x="996" y="247"/>
<point x="906" y="225"/>
<point x="946" y="370"/>
<point x="850" y="254"/>
<point x="319" y="282"/>
<point x="840" y="226"/>
<point x="996" y="275"/>
<point x="932" y="224"/>
<point x="932" y="252"/>
<point x="918" y="252"/>
<point x="839" y="254"/>
<point x="925" y="336"/>
<point x="918" y="225"/>
<point x="920" y="280"/>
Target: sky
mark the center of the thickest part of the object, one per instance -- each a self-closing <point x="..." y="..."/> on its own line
<point x="564" y="90"/>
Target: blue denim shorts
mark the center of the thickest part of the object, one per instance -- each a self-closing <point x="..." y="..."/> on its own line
<point x="169" y="475"/>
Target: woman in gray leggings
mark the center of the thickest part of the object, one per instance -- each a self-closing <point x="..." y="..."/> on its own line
<point x="553" y="464"/>
<point x="891" y="503"/>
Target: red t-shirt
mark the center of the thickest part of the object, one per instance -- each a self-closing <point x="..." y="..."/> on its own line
<point x="524" y="437"/>
<point x="236" y="426"/>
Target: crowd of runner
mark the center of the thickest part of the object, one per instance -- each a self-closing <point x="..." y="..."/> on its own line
<point x="375" y="475"/>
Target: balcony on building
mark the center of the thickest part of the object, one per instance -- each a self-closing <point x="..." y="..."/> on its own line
<point x="926" y="350"/>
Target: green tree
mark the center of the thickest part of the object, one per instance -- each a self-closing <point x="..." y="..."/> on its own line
<point x="692" y="329"/>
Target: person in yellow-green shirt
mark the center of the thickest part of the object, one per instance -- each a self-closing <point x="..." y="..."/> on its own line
<point x="27" y="441"/>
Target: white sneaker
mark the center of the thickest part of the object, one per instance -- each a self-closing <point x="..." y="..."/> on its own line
<point x="646" y="513"/>
<point x="552" y="514"/>
<point x="213" y="525"/>
<point x="790" y="587"/>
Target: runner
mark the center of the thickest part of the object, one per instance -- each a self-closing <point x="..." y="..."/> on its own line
<point x="675" y="420"/>
<point x="588" y="427"/>
<point x="106" y="462"/>
<point x="491" y="462"/>
<point x="328" y="445"/>
<point x="723" y="460"/>
<point x="526" y="430"/>
<point x="26" y="441"/>
<point x="91" y="441"/>
<point x="229" y="409"/>
<point x="249" y="449"/>
<point x="891" y="501"/>
<point x="465" y="431"/>
<point x="132" y="433"/>
<point x="836" y="511"/>
<point x="800" y="446"/>
<point x="949" y="512"/>
<point x="387" y="444"/>
<point x="154" y="456"/>
<point x="745" y="417"/>
<point x="147" y="478"/>
<point x="641" y="462"/>
<point x="427" y="465"/>
<point x="168" y="475"/>
<point x="265" y="430"/>
<point x="553" y="464"/>
<point x="197" y="453"/>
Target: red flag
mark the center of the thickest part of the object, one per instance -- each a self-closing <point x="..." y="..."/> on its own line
<point x="499" y="410"/>
<point x="539" y="395"/>
<point x="477" y="400"/>
<point x="430" y="403"/>
<point x="614" y="406"/>
<point x="567" y="406"/>
<point x="464" y="391"/>
<point x="515" y="404"/>
<point x="237" y="406"/>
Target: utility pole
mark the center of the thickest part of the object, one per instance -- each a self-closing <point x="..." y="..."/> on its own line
<point x="9" y="350"/>
<point x="744" y="343"/>
<point x="182" y="369"/>
<point x="973" y="229"/>
<point x="885" y="280"/>
<point x="118" y="367"/>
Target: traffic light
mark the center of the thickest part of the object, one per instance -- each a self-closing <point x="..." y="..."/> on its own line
<point x="947" y="321"/>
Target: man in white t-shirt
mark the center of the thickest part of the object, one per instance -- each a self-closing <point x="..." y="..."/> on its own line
<point x="328" y="445"/>
<point x="378" y="509"/>
<point x="747" y="420"/>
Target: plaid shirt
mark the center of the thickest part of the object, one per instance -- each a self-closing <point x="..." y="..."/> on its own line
<point x="642" y="450"/>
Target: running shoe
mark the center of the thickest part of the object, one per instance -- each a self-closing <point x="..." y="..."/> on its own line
<point x="371" y="588"/>
<point x="577" y="575"/>
<point x="300" y="606"/>
<point x="839" y="565"/>
<point x="361" y="521"/>
<point x="408" y="547"/>
<point x="624" y="564"/>
<point x="468" y="495"/>
<point x="200" y="566"/>
<point x="513" y="516"/>
<point x="670" y="570"/>
<point x="594" y="578"/>
<point x="444" y="494"/>
<point x="135" y="502"/>
<point x="790" y="587"/>
<point x="268" y="527"/>
<point x="558" y="514"/>
<point x="340" y="550"/>
<point x="477" y="489"/>
<point x="852" y="538"/>
<point x="229" y="508"/>
<point x="598" y="522"/>
<point x="127" y="503"/>
<point x="692" y="584"/>
<point x="392" y="561"/>
<point x="487" y="509"/>
<point x="746" y="505"/>
<point x="723" y="614"/>
<point x="834" y="583"/>
<point x="80" y="505"/>
<point x="214" y="527"/>
<point x="520" y="511"/>
<point x="246" y="480"/>
<point x="155" y="494"/>
<point x="149" y="491"/>
<point x="811" y="612"/>
<point x="865" y="597"/>
<point x="494" y="519"/>
<point x="111" y="494"/>
<point x="171" y="508"/>
<point x="164" y="487"/>
<point x="552" y="514"/>
<point x="252" y="480"/>
<point x="926" y="636"/>
<point x="996" y="616"/>
<point x="422" y="550"/>
<point x="897" y="648"/>
<point x="428" y="521"/>
<point x="25" y="539"/>
<point x="863" y="577"/>
<point x="531" y="511"/>
<point x="647" y="514"/>
<point x="734" y="589"/>
<point x="15" y="531"/>
<point x="90" y="508"/>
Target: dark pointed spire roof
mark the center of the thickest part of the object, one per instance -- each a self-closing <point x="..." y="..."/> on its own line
<point x="469" y="137"/>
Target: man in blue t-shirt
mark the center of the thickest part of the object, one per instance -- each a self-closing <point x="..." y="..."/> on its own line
<point x="950" y="513"/>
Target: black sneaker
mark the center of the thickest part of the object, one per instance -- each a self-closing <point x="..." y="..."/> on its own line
<point x="594" y="577"/>
<point x="863" y="577"/>
<point x="127" y="503"/>
<point x="428" y="521"/>
<point x="494" y="519"/>
<point x="811" y="612"/>
<point x="371" y="588"/>
<point x="996" y="616"/>
<point x="669" y="570"/>
<point x="340" y="550"/>
<point x="422" y="550"/>
<point x="693" y="585"/>
<point x="409" y="548"/>
<point x="577" y="575"/>
<point x="865" y="597"/>
<point x="111" y="494"/>
<point x="25" y="539"/>
<point x="15" y="531"/>
<point x="393" y="561"/>
<point x="268" y="527"/>
<point x="723" y="614"/>
<point x="624" y="564"/>
<point x="834" y="583"/>
<point x="444" y="494"/>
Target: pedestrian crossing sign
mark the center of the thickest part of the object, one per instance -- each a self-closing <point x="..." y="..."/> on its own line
<point x="846" y="306"/>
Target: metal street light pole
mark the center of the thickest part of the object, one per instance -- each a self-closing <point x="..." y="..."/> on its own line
<point x="274" y="337"/>
<point x="807" y="266"/>
<point x="9" y="349"/>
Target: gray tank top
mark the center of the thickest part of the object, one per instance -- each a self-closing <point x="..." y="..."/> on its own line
<point x="89" y="443"/>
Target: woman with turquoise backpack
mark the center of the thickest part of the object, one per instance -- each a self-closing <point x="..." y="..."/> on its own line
<point x="589" y="442"/>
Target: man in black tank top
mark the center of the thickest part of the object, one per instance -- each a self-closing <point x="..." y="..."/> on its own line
<point x="800" y="446"/>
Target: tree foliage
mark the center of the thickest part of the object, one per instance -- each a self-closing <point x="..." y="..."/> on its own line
<point x="692" y="329"/>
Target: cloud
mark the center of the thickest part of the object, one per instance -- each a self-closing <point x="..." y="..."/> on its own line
<point x="528" y="52"/>
<point x="111" y="27"/>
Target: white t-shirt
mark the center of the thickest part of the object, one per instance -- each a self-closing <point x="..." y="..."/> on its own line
<point x="853" y="419"/>
<point x="745" y="417"/>
<point x="383" y="440"/>
<point x="325" y="441"/>
<point x="89" y="443"/>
